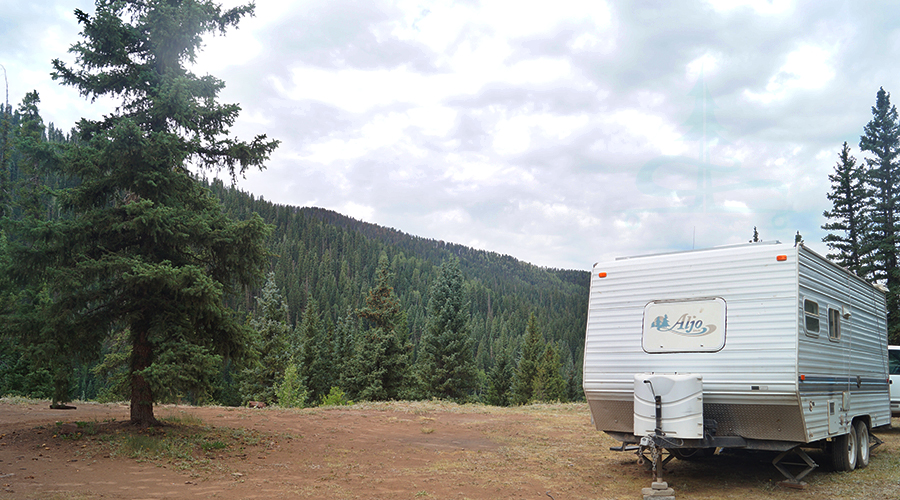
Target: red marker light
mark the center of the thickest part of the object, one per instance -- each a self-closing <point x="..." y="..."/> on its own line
<point x="802" y="378"/>
<point x="601" y="275"/>
<point x="781" y="258"/>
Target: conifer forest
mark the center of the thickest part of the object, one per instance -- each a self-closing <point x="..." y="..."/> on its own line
<point x="134" y="268"/>
<point x="130" y="273"/>
<point x="863" y="230"/>
<point x="340" y="300"/>
<point x="324" y="275"/>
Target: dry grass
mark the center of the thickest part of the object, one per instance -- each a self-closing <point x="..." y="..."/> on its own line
<point x="446" y="450"/>
<point x="555" y="445"/>
<point x="184" y="442"/>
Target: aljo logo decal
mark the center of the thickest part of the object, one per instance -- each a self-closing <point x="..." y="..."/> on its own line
<point x="687" y="325"/>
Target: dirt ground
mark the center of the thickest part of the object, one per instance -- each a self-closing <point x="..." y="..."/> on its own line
<point x="387" y="451"/>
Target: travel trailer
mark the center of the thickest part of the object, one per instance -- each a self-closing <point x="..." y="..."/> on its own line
<point x="761" y="346"/>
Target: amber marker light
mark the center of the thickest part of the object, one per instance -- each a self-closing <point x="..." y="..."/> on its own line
<point x="781" y="258"/>
<point x="601" y="275"/>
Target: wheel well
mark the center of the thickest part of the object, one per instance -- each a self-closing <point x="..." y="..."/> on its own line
<point x="865" y="418"/>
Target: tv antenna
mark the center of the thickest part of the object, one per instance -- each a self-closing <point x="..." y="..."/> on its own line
<point x="5" y="81"/>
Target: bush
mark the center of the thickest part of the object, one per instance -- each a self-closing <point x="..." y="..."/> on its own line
<point x="291" y="393"/>
<point x="335" y="397"/>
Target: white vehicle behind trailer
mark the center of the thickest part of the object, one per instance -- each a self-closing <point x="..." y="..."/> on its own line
<point x="760" y="346"/>
<point x="894" y="368"/>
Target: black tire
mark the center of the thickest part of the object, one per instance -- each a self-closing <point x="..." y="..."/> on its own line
<point x="862" y="438"/>
<point x="845" y="451"/>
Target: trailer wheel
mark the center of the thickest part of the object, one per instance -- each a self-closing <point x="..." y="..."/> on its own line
<point x="862" y="438"/>
<point x="845" y="451"/>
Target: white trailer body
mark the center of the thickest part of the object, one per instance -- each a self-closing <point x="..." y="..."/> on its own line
<point x="788" y="348"/>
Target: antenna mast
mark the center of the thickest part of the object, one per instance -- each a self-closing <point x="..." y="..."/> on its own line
<point x="5" y="81"/>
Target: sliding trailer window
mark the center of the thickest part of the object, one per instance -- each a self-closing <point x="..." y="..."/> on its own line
<point x="834" y="324"/>
<point x="811" y="316"/>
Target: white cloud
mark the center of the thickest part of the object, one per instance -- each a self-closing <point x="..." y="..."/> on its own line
<point x="703" y="66"/>
<point x="736" y="205"/>
<point x="806" y="68"/>
<point x="512" y="136"/>
<point x="357" y="211"/>
<point x="455" y="216"/>
<point x="767" y="7"/>
<point x="521" y="126"/>
<point x="648" y="131"/>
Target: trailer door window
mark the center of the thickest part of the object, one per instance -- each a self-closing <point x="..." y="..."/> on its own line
<point x="834" y="324"/>
<point x="811" y="310"/>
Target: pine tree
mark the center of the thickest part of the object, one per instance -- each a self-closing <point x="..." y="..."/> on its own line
<point x="345" y="334"/>
<point x="847" y="216"/>
<point x="291" y="392"/>
<point x="23" y="372"/>
<point x="881" y="139"/>
<point x="446" y="365"/>
<point x="270" y="346"/>
<point x="313" y="353"/>
<point x="548" y="384"/>
<point x="6" y="149"/>
<point x="32" y="157"/>
<point x="36" y="156"/>
<point x="500" y="379"/>
<point x="382" y="308"/>
<point x="571" y="373"/>
<point x="144" y="245"/>
<point x="378" y="370"/>
<point x="527" y="368"/>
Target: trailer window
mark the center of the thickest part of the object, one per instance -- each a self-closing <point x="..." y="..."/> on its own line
<point x="811" y="310"/>
<point x="834" y="324"/>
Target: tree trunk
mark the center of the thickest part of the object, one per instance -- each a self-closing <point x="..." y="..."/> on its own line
<point x="141" y="394"/>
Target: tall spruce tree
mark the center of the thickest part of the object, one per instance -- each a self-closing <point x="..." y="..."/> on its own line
<point x="270" y="341"/>
<point x="35" y="157"/>
<point x="446" y="365"/>
<point x="548" y="384"/>
<point x="313" y="352"/>
<point x="500" y="380"/>
<point x="380" y="364"/>
<point x="6" y="149"/>
<point x="30" y="158"/>
<point x="846" y="226"/>
<point x="529" y="361"/>
<point x="343" y="342"/>
<point x="881" y="139"/>
<point x="144" y="248"/>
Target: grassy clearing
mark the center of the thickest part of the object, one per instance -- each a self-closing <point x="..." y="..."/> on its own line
<point x="183" y="442"/>
<point x="561" y="450"/>
<point x="553" y="447"/>
<point x="21" y="400"/>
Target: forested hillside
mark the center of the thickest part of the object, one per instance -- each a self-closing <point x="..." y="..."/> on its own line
<point x="322" y="268"/>
<point x="333" y="259"/>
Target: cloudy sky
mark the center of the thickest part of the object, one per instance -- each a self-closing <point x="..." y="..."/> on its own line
<point x="561" y="133"/>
